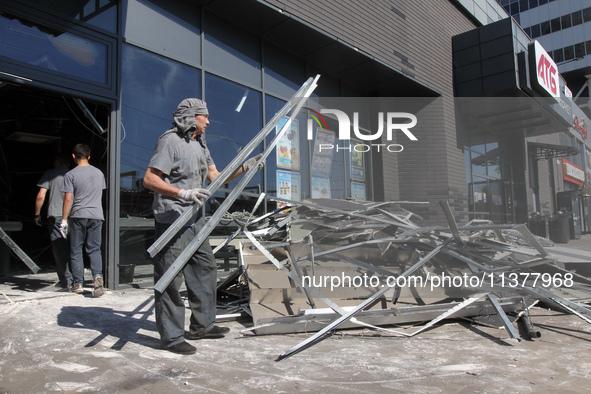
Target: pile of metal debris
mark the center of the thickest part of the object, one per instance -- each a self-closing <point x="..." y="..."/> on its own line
<point x="344" y="264"/>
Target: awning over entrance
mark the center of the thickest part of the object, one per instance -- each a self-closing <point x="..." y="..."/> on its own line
<point x="541" y="151"/>
<point x="520" y="114"/>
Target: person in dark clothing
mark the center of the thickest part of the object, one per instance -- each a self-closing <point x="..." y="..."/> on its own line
<point x="51" y="182"/>
<point x="177" y="173"/>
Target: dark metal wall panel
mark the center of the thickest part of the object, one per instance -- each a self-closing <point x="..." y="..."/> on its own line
<point x="484" y="61"/>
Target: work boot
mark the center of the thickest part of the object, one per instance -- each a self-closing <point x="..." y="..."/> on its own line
<point x="182" y="348"/>
<point x="77" y="288"/>
<point x="99" y="290"/>
<point x="215" y="332"/>
<point x="61" y="287"/>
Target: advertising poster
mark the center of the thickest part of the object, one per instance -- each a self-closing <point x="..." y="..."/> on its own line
<point x="320" y="187"/>
<point x="288" y="186"/>
<point x="357" y="163"/>
<point x="358" y="191"/>
<point x="322" y="158"/>
<point x="288" y="148"/>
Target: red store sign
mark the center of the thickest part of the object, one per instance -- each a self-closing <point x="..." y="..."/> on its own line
<point x="580" y="126"/>
<point x="573" y="173"/>
<point x="546" y="71"/>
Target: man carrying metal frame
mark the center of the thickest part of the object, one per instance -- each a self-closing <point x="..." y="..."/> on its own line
<point x="177" y="173"/>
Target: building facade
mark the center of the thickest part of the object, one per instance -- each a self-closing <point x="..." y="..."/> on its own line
<point x="111" y="73"/>
<point x="563" y="28"/>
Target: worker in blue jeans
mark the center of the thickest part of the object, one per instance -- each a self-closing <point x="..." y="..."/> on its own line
<point x="83" y="218"/>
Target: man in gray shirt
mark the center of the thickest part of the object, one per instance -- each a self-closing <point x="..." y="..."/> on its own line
<point x="51" y="182"/>
<point x="177" y="173"/>
<point x="83" y="218"/>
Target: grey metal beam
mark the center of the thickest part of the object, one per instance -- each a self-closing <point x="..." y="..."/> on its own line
<point x="453" y="226"/>
<point x="310" y="321"/>
<point x="352" y="246"/>
<point x="18" y="251"/>
<point x="572" y="310"/>
<point x="298" y="272"/>
<point x="450" y="312"/>
<point x="182" y="259"/>
<point x="361" y="264"/>
<point x="532" y="240"/>
<point x="508" y="325"/>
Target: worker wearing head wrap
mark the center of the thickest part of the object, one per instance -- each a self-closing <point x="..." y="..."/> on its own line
<point x="184" y="116"/>
<point x="177" y="173"/>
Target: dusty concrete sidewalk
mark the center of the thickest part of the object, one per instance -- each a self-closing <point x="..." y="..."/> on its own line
<point x="57" y="341"/>
<point x="54" y="341"/>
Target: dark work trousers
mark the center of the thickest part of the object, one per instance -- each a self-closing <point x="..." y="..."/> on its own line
<point x="85" y="233"/>
<point x="61" y="251"/>
<point x="200" y="274"/>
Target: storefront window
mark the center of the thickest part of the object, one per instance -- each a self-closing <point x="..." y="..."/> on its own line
<point x="480" y="199"/>
<point x="489" y="188"/>
<point x="338" y="173"/>
<point x="235" y="113"/>
<point x="52" y="49"/>
<point x="287" y="166"/>
<point x="151" y="88"/>
<point x="568" y="140"/>
<point x="493" y="160"/>
<point x="478" y="156"/>
<point x="358" y="172"/>
<point x="337" y="176"/>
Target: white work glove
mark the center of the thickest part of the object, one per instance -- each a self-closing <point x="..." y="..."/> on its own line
<point x="64" y="228"/>
<point x="195" y="195"/>
<point x="247" y="165"/>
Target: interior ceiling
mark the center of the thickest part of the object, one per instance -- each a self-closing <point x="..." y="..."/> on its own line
<point x="57" y="124"/>
<point x="26" y="110"/>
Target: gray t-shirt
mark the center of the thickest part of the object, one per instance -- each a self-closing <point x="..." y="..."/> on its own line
<point x="183" y="162"/>
<point x="86" y="183"/>
<point x="52" y="181"/>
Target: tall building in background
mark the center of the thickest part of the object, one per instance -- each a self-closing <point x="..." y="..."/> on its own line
<point x="563" y="27"/>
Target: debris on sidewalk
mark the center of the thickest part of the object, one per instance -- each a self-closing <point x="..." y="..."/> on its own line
<point x="336" y="264"/>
